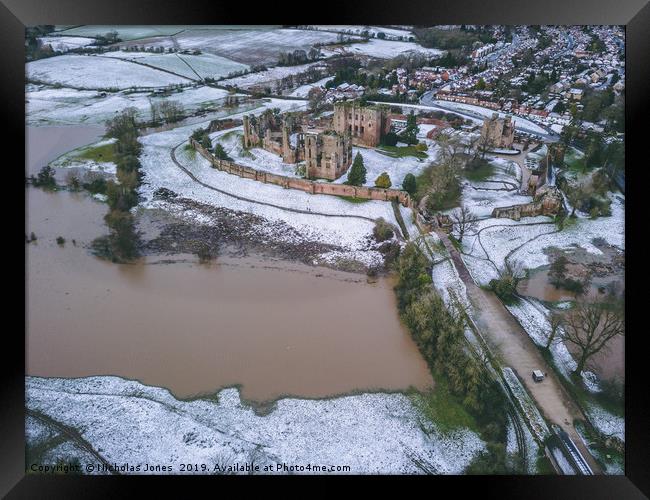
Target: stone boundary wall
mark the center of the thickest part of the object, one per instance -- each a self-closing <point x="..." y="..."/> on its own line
<point x="306" y="185"/>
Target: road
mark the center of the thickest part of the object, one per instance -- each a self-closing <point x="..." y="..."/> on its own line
<point x="519" y="160"/>
<point x="508" y="340"/>
<point x="428" y="100"/>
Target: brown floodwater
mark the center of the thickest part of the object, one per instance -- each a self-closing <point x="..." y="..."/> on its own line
<point x="44" y="144"/>
<point x="273" y="327"/>
<point x="609" y="363"/>
<point x="539" y="287"/>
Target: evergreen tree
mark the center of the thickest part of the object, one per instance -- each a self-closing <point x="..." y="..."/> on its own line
<point x="409" y="136"/>
<point x="409" y="184"/>
<point x="220" y="153"/>
<point x="357" y="175"/>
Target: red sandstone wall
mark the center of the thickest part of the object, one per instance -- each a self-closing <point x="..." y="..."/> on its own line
<point x="369" y="193"/>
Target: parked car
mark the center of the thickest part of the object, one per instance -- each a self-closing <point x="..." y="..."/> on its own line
<point x="538" y="376"/>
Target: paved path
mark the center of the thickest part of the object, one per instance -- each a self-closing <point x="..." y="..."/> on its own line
<point x="513" y="346"/>
<point x="519" y="160"/>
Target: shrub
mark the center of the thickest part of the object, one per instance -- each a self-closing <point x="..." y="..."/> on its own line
<point x="382" y="230"/>
<point x="94" y="183"/>
<point x="45" y="178"/>
<point x="204" y="253"/>
<point x="383" y="181"/>
<point x="421" y="146"/>
<point x="60" y="240"/>
<point x="73" y="181"/>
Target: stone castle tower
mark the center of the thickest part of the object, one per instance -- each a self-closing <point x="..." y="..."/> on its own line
<point x="500" y="132"/>
<point x="365" y="124"/>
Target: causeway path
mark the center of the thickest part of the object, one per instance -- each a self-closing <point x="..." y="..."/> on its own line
<point x="509" y="341"/>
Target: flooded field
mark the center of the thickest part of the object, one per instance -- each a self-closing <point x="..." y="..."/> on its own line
<point x="539" y="287"/>
<point x="607" y="364"/>
<point x="272" y="327"/>
<point x="45" y="144"/>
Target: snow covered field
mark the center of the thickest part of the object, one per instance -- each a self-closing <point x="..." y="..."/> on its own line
<point x="65" y="43"/>
<point x="129" y="422"/>
<point x="188" y="65"/>
<point x="397" y="168"/>
<point x="252" y="45"/>
<point x="95" y="72"/>
<point x="129" y="32"/>
<point x="46" y="105"/>
<point x="267" y="77"/>
<point x="303" y="90"/>
<point x="391" y="33"/>
<point x="383" y="49"/>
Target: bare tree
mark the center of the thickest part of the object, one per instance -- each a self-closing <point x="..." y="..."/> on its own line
<point x="464" y="221"/>
<point x="450" y="149"/>
<point x="590" y="326"/>
<point x="555" y="321"/>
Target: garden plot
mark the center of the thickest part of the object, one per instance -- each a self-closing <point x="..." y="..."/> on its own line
<point x="483" y="198"/>
<point x="251" y="46"/>
<point x="188" y="65"/>
<point x="65" y="43"/>
<point x="92" y="72"/>
<point x="376" y="162"/>
<point x="134" y="423"/>
<point x="382" y="49"/>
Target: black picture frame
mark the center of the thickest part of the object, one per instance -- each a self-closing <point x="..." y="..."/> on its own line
<point x="634" y="14"/>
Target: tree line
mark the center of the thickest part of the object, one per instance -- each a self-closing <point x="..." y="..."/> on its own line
<point x="439" y="332"/>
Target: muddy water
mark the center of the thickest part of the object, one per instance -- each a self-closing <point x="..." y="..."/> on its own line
<point x="539" y="287"/>
<point x="274" y="328"/>
<point x="608" y="364"/>
<point x="44" y="144"/>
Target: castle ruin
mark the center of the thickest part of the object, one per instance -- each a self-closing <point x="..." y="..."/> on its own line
<point x="365" y="124"/>
<point x="327" y="154"/>
<point x="499" y="132"/>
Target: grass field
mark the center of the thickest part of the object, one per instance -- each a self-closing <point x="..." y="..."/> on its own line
<point x="482" y="173"/>
<point x="402" y="151"/>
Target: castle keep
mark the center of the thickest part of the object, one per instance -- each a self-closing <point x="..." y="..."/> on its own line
<point x="500" y="132"/>
<point x="366" y="124"/>
<point x="327" y="154"/>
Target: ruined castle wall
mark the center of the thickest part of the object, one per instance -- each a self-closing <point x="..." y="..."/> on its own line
<point x="308" y="186"/>
<point x="364" y="124"/>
